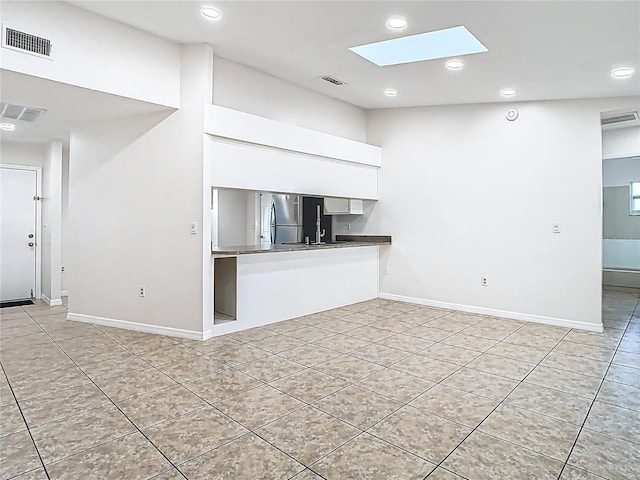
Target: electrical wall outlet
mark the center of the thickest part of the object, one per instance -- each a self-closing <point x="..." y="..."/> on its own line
<point x="485" y="281"/>
<point x="555" y="227"/>
<point x="142" y="291"/>
<point x="348" y="227"/>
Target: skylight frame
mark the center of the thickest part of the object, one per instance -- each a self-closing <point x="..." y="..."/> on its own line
<point x="449" y="42"/>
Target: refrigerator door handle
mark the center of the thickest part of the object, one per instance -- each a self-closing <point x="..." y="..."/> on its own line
<point x="272" y="223"/>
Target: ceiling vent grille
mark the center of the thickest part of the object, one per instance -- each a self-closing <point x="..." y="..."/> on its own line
<point x="19" y="112"/>
<point x="26" y="42"/>
<point x="330" y="79"/>
<point x="623" y="117"/>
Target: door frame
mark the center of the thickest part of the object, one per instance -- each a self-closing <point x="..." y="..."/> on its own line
<point x="38" y="232"/>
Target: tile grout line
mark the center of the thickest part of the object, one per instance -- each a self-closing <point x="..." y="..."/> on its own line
<point x="46" y="472"/>
<point x="248" y="430"/>
<point x="582" y="427"/>
<point x="28" y="429"/>
<point x="407" y="403"/>
<point x="339" y="353"/>
<point x="307" y="404"/>
<point x="501" y="403"/>
<point x="403" y="404"/>
<point x="115" y="405"/>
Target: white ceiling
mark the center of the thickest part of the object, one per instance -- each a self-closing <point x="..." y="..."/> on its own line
<point x="545" y="50"/>
<point x="67" y="107"/>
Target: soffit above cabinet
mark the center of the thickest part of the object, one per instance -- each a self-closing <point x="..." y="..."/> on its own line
<point x="247" y="128"/>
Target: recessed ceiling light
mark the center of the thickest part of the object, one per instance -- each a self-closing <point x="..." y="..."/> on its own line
<point x="397" y="23"/>
<point x="507" y="92"/>
<point x="622" y="72"/>
<point x="9" y="127"/>
<point x="447" y="43"/>
<point x="211" y="12"/>
<point x="454" y="64"/>
<point x="390" y="92"/>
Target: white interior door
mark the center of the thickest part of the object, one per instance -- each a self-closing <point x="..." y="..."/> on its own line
<point x="17" y="233"/>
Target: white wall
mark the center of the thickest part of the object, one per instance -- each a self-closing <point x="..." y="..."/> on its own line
<point x="243" y="88"/>
<point x="94" y="52"/>
<point x="232" y="216"/>
<point x="134" y="188"/>
<point x="31" y="154"/>
<point x="467" y="194"/>
<point x="621" y="142"/>
<point x="620" y="172"/>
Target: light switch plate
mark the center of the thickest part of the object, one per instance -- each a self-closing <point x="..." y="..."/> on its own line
<point x="194" y="228"/>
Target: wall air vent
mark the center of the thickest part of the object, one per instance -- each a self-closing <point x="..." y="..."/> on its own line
<point x="26" y="42"/>
<point x="18" y="112"/>
<point x="332" y="80"/>
<point x="624" y="117"/>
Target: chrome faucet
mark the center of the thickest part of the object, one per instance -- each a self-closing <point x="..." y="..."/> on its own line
<point x="319" y="234"/>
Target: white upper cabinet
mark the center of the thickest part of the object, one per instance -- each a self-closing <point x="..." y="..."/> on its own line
<point x="343" y="206"/>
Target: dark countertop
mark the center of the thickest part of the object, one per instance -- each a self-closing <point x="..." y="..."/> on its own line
<point x="350" y="242"/>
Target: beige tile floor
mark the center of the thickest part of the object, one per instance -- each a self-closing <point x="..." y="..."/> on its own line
<point x="378" y="390"/>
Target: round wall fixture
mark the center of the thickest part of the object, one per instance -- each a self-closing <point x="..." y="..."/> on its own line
<point x="512" y="114"/>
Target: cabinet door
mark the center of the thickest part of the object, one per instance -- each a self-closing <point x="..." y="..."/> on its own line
<point x="356" y="207"/>
<point x="333" y="206"/>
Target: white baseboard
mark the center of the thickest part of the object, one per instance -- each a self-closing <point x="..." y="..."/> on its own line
<point x="138" y="327"/>
<point x="52" y="303"/>
<point x="560" y="322"/>
<point x="64" y="293"/>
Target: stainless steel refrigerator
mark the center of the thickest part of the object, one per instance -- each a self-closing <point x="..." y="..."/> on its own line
<point x="281" y="218"/>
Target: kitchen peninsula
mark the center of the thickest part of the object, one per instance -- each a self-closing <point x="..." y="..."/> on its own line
<point x="254" y="162"/>
<point x="253" y="289"/>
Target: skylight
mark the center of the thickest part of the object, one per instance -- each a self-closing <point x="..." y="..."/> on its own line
<point x="449" y="42"/>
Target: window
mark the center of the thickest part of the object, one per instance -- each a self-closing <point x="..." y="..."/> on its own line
<point x="634" y="191"/>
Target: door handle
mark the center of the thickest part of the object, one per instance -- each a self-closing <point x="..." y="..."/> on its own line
<point x="31" y="244"/>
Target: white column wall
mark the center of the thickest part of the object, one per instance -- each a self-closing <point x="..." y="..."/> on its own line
<point x="135" y="187"/>
<point x="52" y="224"/>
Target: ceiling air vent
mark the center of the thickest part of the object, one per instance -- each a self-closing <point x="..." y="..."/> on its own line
<point x="26" y="42"/>
<point x="335" y="81"/>
<point x="18" y="112"/>
<point x="623" y="117"/>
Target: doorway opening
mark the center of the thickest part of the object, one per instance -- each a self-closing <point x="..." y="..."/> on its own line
<point x="621" y="204"/>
